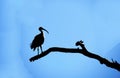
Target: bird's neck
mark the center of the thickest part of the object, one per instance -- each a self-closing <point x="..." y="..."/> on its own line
<point x="41" y="32"/>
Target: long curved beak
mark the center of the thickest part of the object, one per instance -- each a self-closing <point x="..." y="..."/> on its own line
<point x="45" y="30"/>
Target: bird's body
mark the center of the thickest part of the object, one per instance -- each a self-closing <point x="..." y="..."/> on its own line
<point x="38" y="41"/>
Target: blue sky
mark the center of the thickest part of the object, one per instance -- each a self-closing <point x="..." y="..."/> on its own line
<point x="96" y="22"/>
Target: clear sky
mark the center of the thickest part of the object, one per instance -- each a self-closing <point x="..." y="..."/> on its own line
<point x="96" y="22"/>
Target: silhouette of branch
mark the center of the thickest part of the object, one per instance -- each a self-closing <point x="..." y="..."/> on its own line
<point x="111" y="64"/>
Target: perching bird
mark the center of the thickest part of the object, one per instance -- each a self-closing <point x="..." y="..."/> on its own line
<point x="38" y="40"/>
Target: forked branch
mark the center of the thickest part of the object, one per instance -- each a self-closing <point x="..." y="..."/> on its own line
<point x="111" y="64"/>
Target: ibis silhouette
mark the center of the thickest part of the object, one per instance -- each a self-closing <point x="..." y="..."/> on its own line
<point x="38" y="40"/>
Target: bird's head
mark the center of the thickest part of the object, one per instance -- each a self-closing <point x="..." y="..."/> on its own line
<point x="41" y="28"/>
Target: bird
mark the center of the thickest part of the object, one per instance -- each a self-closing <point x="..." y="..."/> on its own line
<point x="38" y="40"/>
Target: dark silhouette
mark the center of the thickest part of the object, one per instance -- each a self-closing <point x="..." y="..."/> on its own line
<point x="111" y="64"/>
<point x="38" y="40"/>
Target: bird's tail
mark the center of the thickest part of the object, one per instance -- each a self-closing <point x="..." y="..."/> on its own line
<point x="32" y="47"/>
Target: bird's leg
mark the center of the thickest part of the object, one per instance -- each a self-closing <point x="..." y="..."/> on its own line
<point x="38" y="50"/>
<point x="41" y="49"/>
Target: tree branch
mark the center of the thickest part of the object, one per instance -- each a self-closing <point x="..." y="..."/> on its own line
<point x="113" y="64"/>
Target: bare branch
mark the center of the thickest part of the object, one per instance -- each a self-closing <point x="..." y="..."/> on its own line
<point x="111" y="64"/>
